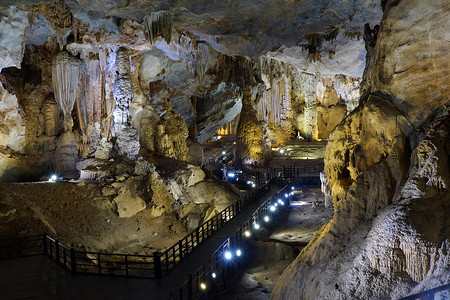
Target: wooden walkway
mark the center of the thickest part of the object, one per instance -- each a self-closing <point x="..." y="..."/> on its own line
<point x="38" y="277"/>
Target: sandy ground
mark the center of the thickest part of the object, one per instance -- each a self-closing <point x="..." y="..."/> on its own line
<point x="304" y="217"/>
<point x="81" y="217"/>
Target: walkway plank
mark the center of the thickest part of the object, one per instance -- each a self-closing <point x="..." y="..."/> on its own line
<point x="38" y="277"/>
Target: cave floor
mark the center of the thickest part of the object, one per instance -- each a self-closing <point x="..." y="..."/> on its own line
<point x="38" y="277"/>
<point x="304" y="217"/>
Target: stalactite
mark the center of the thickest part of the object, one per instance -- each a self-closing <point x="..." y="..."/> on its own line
<point x="65" y="76"/>
<point x="352" y="35"/>
<point x="95" y="101"/>
<point x="331" y="34"/>
<point x="88" y="101"/>
<point x="274" y="104"/>
<point x="331" y="54"/>
<point x="230" y="127"/>
<point x="158" y="24"/>
<point x="314" y="56"/>
<point x="202" y="59"/>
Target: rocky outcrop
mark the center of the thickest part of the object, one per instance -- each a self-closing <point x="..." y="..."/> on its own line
<point x="14" y="22"/>
<point x="370" y="134"/>
<point x="399" y="60"/>
<point x="389" y="235"/>
<point x="301" y="104"/>
<point x="394" y="247"/>
<point x="128" y="201"/>
<point x="12" y="135"/>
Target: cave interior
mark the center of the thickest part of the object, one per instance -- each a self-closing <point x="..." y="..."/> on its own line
<point x="127" y="124"/>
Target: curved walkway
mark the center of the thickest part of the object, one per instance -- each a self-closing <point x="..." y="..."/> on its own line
<point x="38" y="277"/>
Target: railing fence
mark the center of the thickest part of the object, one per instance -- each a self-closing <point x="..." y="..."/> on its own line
<point x="156" y="265"/>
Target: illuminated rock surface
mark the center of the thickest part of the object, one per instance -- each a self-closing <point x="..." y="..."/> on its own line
<point x="390" y="228"/>
<point x="123" y="95"/>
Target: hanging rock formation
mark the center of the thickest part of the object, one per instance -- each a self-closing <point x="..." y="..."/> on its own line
<point x="158" y="24"/>
<point x="109" y="86"/>
<point x="295" y="100"/>
<point x="65" y="76"/>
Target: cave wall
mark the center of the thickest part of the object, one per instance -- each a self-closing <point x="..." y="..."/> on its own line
<point x="161" y="78"/>
<point x="73" y="88"/>
<point x="387" y="166"/>
<point x="297" y="103"/>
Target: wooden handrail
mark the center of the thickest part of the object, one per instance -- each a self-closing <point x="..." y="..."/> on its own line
<point x="159" y="263"/>
<point x="203" y="274"/>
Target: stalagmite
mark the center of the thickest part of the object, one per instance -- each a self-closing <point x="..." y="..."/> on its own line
<point x="158" y="24"/>
<point x="310" y="111"/>
<point x="65" y="76"/>
<point x="50" y="111"/>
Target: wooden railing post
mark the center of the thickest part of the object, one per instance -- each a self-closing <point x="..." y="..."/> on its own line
<point x="50" y="250"/>
<point x="180" y="246"/>
<point x="197" y="236"/>
<point x="57" y="250"/>
<point x="73" y="261"/>
<point x="157" y="264"/>
<point x="44" y="245"/>
<point x="99" y="264"/>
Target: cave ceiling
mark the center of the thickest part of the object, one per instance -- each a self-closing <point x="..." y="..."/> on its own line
<point x="315" y="36"/>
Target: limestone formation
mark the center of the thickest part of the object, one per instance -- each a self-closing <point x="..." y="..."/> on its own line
<point x="379" y="244"/>
<point x="250" y="147"/>
<point x="309" y="104"/>
<point x="393" y="239"/>
<point x="13" y="21"/>
<point x="399" y="59"/>
<point x="12" y="134"/>
<point x="128" y="201"/>
<point x="122" y="96"/>
<point x="325" y="188"/>
<point x="65" y="76"/>
<point x="190" y="176"/>
<point x="368" y="135"/>
<point x="158" y="24"/>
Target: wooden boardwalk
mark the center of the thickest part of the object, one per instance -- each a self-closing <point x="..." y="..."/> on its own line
<point x="38" y="277"/>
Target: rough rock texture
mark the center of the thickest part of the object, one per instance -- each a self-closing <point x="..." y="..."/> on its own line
<point x="302" y="104"/>
<point x="129" y="207"/>
<point x="325" y="189"/>
<point x="413" y="68"/>
<point x="190" y="176"/>
<point x="128" y="200"/>
<point x="13" y="21"/>
<point x="387" y="166"/>
<point x="12" y="135"/>
<point x="394" y="246"/>
<point x="95" y="225"/>
<point x="368" y="135"/>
